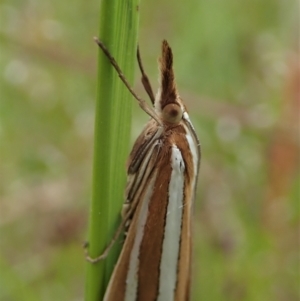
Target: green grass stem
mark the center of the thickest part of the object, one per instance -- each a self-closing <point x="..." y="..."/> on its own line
<point x="118" y="31"/>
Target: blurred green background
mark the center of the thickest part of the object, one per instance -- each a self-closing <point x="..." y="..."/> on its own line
<point x="237" y="69"/>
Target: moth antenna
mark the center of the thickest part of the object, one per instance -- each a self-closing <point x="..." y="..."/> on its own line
<point x="145" y="80"/>
<point x="141" y="102"/>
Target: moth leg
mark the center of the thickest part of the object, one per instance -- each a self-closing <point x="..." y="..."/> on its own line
<point x="127" y="217"/>
<point x="144" y="78"/>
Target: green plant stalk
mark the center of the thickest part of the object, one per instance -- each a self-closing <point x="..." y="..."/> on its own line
<point x="118" y="31"/>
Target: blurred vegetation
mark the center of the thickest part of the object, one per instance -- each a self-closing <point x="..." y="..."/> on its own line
<point x="237" y="68"/>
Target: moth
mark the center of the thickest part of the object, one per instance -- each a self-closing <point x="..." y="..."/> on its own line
<point x="162" y="171"/>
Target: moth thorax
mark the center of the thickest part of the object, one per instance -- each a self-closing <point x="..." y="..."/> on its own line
<point x="172" y="113"/>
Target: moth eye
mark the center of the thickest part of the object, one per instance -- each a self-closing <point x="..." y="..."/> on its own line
<point x="172" y="113"/>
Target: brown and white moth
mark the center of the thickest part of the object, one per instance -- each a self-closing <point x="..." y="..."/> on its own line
<point x="163" y="166"/>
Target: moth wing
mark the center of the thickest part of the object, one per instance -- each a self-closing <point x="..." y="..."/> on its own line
<point x="150" y="133"/>
<point x="141" y="162"/>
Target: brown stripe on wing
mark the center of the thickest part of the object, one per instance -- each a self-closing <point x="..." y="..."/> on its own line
<point x="117" y="285"/>
<point x="184" y="258"/>
<point x="151" y="247"/>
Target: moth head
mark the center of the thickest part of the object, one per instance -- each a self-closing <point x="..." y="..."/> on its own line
<point x="172" y="113"/>
<point x="167" y="101"/>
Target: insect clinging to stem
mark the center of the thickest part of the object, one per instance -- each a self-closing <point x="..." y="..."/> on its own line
<point x="162" y="171"/>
